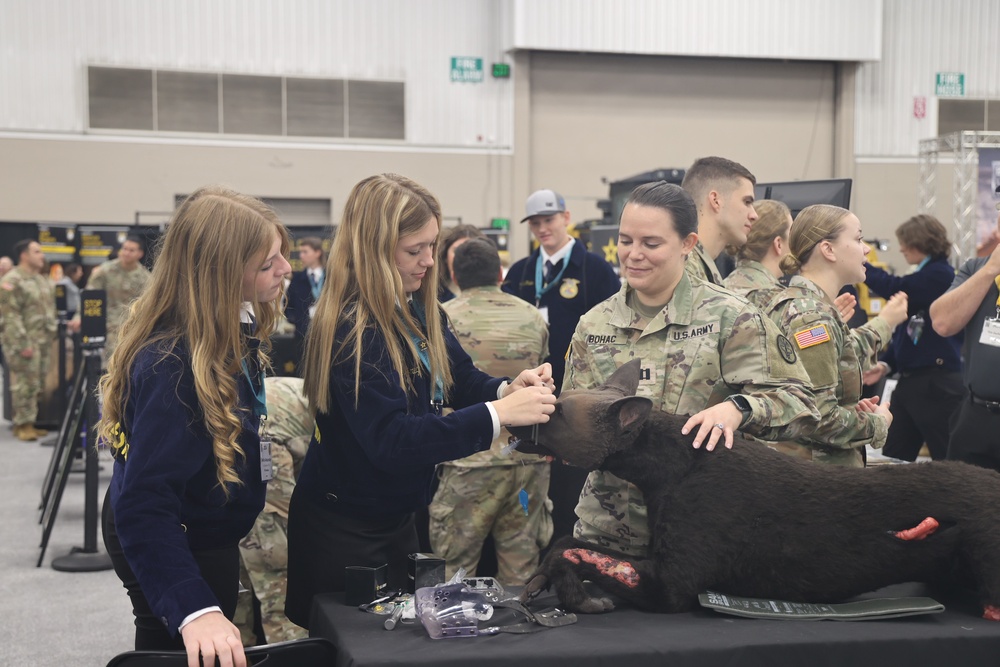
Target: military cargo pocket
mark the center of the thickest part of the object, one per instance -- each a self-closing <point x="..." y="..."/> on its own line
<point x="438" y="529"/>
<point x="440" y="514"/>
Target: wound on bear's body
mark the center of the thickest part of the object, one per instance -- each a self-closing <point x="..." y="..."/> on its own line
<point x="920" y="531"/>
<point x="619" y="570"/>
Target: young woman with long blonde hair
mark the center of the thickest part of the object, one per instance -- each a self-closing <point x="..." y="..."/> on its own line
<point x="380" y="364"/>
<point x="183" y="404"/>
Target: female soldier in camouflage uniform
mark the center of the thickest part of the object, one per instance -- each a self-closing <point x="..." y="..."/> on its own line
<point x="756" y="274"/>
<point x="827" y="252"/>
<point x="704" y="351"/>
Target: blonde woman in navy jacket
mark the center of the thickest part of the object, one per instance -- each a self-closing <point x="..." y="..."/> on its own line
<point x="380" y="364"/>
<point x="183" y="404"/>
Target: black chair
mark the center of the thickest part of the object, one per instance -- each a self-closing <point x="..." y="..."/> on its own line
<point x="310" y="652"/>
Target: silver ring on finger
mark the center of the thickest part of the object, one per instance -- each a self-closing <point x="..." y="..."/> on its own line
<point x="720" y="426"/>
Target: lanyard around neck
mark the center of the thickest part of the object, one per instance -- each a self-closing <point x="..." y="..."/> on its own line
<point x="259" y="399"/>
<point x="539" y="275"/>
<point x="421" y="344"/>
<point x="316" y="282"/>
<point x="997" y="281"/>
<point x="259" y="391"/>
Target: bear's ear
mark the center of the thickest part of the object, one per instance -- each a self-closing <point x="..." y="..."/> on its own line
<point x="626" y="379"/>
<point x="628" y="415"/>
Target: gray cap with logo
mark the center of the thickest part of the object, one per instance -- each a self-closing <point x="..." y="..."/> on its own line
<point x="544" y="202"/>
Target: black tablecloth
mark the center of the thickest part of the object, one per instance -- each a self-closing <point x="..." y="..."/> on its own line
<point x="627" y="637"/>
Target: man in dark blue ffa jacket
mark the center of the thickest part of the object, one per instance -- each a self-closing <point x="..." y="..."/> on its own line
<point x="305" y="285"/>
<point x="561" y="278"/>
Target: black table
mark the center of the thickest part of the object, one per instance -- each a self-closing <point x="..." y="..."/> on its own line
<point x="627" y="637"/>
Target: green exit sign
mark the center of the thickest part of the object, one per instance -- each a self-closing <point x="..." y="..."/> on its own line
<point x="501" y="71"/>
<point x="500" y="223"/>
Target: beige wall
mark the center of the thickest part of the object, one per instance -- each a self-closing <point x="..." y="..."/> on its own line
<point x="883" y="197"/>
<point x="86" y="180"/>
<point x="578" y="118"/>
<point x="595" y="116"/>
<point x="886" y="194"/>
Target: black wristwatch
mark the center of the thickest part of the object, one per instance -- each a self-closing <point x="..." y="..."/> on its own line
<point x="743" y="405"/>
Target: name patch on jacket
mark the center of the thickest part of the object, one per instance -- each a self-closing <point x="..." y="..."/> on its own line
<point x="695" y="332"/>
<point x="593" y="339"/>
<point x="812" y="336"/>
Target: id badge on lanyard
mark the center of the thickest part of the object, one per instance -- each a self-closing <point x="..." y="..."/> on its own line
<point x="260" y="411"/>
<point x="991" y="326"/>
<point x="266" y="464"/>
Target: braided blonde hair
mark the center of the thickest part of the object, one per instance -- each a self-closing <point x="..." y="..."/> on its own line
<point x="813" y="225"/>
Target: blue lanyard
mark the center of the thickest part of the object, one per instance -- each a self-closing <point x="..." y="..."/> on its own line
<point x="539" y="264"/>
<point x="259" y="393"/>
<point x="317" y="284"/>
<point x="421" y="344"/>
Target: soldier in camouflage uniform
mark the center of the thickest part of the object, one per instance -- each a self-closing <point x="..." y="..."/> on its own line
<point x="756" y="275"/>
<point x="27" y="304"/>
<point x="264" y="550"/>
<point x="481" y="495"/>
<point x="704" y="351"/>
<point x="5" y="266"/>
<point x="722" y="191"/>
<point x="122" y="279"/>
<point x="827" y="248"/>
<point x="701" y="266"/>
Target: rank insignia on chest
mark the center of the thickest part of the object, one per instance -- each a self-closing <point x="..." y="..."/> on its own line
<point x="812" y="336"/>
<point x="569" y="288"/>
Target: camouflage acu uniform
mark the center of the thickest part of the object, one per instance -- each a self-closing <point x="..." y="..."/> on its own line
<point x="265" y="549"/>
<point x="479" y="495"/>
<point x="700" y="265"/>
<point x="121" y="287"/>
<point x="706" y="344"/>
<point x="752" y="281"/>
<point x="27" y="302"/>
<point x="835" y="356"/>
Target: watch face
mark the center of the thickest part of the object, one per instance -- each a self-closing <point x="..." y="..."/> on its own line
<point x="741" y="402"/>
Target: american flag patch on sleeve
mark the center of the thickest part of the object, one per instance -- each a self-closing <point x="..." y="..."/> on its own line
<point x="812" y="336"/>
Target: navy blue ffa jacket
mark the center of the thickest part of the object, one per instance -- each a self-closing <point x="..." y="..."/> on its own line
<point x="166" y="499"/>
<point x="922" y="288"/>
<point x="587" y="281"/>
<point x="298" y="299"/>
<point x="374" y="453"/>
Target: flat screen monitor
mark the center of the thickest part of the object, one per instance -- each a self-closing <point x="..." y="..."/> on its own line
<point x="799" y="194"/>
<point x="620" y="190"/>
